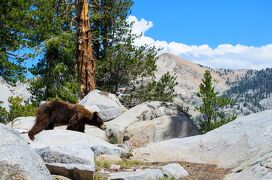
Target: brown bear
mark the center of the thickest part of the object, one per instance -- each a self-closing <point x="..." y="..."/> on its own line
<point x="56" y="113"/>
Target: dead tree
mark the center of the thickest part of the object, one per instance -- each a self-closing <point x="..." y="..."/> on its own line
<point x="86" y="67"/>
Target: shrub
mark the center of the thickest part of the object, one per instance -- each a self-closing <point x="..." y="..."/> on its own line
<point x="18" y="109"/>
<point x="113" y="140"/>
<point x="3" y="115"/>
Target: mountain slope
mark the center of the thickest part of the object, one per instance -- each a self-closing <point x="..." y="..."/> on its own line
<point x="189" y="76"/>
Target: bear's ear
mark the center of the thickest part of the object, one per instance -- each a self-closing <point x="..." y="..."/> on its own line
<point x="96" y="117"/>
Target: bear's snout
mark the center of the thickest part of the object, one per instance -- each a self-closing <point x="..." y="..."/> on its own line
<point x="103" y="127"/>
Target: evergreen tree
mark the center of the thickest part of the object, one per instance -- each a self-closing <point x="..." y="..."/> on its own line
<point x="26" y="24"/>
<point x="212" y="108"/>
<point x="13" y="36"/>
<point x="120" y="64"/>
<point x="161" y="90"/>
<point x="55" y="73"/>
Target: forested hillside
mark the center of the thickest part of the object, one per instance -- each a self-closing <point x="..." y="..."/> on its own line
<point x="253" y="92"/>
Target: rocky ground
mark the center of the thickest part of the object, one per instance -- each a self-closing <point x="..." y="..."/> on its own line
<point x="153" y="140"/>
<point x="196" y="171"/>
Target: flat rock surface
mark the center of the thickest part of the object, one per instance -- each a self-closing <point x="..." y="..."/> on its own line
<point x="238" y="144"/>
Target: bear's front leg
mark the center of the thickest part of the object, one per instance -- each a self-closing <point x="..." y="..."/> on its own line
<point x="76" y="124"/>
<point x="42" y="122"/>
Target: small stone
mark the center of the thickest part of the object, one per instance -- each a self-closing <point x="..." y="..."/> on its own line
<point x="115" y="167"/>
<point x="174" y="170"/>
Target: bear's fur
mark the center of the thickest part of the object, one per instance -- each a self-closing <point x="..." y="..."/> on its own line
<point x="56" y="113"/>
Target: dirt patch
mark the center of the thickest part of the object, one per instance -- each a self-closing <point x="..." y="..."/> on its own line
<point x="196" y="171"/>
<point x="204" y="171"/>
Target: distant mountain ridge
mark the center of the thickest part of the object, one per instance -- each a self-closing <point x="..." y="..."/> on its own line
<point x="253" y="93"/>
<point x="251" y="89"/>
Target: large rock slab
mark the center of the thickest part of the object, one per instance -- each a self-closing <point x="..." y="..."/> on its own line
<point x="143" y="112"/>
<point x="17" y="160"/>
<point x="65" y="153"/>
<point x="90" y="132"/>
<point x="238" y="144"/>
<point x="108" y="105"/>
<point x="255" y="169"/>
<point x="159" y="129"/>
<point x="22" y="124"/>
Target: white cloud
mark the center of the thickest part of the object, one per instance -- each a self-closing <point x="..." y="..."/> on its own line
<point x="223" y="56"/>
<point x="140" y="26"/>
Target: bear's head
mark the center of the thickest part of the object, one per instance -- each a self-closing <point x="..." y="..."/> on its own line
<point x="97" y="121"/>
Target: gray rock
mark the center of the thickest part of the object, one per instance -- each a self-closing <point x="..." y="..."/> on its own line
<point x="91" y="132"/>
<point x="159" y="129"/>
<point x="108" y="105"/>
<point x="238" y="144"/>
<point x="17" y="160"/>
<point x="98" y="150"/>
<point x="149" y="174"/>
<point x="100" y="146"/>
<point x="65" y="153"/>
<point x="255" y="169"/>
<point x="148" y="111"/>
<point x="22" y="124"/>
<point x="174" y="170"/>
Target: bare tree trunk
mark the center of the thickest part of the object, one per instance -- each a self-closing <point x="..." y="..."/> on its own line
<point x="85" y="63"/>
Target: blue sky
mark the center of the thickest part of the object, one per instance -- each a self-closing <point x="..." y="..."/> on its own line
<point x="234" y="34"/>
<point x="212" y="22"/>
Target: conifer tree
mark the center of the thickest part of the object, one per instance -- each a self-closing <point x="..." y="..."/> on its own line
<point x="212" y="108"/>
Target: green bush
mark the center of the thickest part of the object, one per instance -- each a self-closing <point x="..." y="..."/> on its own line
<point x="113" y="140"/>
<point x="18" y="109"/>
<point x="162" y="90"/>
<point x="3" y="115"/>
